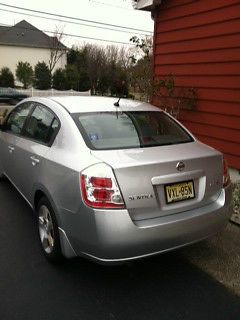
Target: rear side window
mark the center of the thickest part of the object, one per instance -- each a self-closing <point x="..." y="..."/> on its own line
<point x="41" y="125"/>
<point x="121" y="130"/>
<point x="17" y="118"/>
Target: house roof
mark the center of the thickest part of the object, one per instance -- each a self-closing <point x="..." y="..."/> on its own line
<point x="3" y="29"/>
<point x="23" y="34"/>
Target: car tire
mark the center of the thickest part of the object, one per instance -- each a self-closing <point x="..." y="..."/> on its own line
<point x="48" y="231"/>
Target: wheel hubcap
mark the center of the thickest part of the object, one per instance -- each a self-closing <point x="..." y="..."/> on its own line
<point x="46" y="231"/>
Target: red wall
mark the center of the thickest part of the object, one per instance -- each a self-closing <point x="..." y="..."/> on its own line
<point x="199" y="42"/>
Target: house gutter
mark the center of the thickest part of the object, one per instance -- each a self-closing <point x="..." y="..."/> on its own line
<point x="146" y="5"/>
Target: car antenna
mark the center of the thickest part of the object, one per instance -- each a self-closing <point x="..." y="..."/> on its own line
<point x="116" y="104"/>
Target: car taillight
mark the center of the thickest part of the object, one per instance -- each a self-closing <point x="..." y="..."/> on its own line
<point x="226" y="177"/>
<point x="100" y="188"/>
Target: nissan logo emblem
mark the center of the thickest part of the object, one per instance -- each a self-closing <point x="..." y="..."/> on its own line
<point x="180" y="166"/>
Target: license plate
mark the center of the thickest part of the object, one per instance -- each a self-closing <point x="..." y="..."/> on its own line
<point x="179" y="191"/>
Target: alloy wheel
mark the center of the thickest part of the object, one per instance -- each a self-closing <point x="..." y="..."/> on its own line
<point x="46" y="230"/>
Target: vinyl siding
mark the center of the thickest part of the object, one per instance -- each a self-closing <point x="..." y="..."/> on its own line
<point x="199" y="42"/>
<point x="11" y="55"/>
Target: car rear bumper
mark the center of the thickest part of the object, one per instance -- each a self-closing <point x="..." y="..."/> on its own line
<point x="113" y="237"/>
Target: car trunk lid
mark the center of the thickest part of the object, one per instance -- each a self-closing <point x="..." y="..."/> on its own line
<point x="153" y="186"/>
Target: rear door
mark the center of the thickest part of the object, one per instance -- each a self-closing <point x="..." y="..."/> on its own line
<point x="37" y="137"/>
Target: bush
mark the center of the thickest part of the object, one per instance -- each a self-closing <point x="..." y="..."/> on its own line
<point x="59" y="79"/>
<point x="42" y="76"/>
<point x="84" y="81"/>
<point x="24" y="73"/>
<point x="6" y="78"/>
<point x="72" y="77"/>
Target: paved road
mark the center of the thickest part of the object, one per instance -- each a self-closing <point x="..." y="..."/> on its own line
<point x="166" y="287"/>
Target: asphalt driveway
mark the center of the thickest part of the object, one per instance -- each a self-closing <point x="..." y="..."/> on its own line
<point x="170" y="286"/>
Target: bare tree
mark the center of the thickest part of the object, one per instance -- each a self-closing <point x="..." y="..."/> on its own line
<point x="125" y="56"/>
<point x="105" y="66"/>
<point x="57" y="49"/>
<point x="141" y="71"/>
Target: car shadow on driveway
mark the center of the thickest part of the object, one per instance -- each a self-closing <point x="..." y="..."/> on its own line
<point x="164" y="287"/>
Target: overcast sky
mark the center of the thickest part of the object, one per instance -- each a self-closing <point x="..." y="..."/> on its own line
<point x="115" y="12"/>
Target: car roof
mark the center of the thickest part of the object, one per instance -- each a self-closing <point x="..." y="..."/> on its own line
<point x="78" y="104"/>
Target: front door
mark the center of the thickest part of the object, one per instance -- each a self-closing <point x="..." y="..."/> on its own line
<point x="9" y="137"/>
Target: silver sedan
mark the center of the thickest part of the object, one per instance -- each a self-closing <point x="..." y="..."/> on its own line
<point x="112" y="181"/>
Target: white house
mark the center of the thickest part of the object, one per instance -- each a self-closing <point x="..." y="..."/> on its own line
<point x="24" y="42"/>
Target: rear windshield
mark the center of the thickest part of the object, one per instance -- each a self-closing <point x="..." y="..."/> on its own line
<point x="122" y="130"/>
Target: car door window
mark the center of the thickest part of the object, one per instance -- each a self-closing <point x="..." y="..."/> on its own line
<point x="42" y="125"/>
<point x="17" y="118"/>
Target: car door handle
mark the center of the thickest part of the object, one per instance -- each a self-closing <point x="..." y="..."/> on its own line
<point x="10" y="149"/>
<point x="35" y="160"/>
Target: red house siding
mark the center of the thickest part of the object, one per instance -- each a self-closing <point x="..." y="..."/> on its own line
<point x="199" y="42"/>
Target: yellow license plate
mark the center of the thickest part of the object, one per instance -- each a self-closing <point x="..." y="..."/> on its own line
<point x="179" y="191"/>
